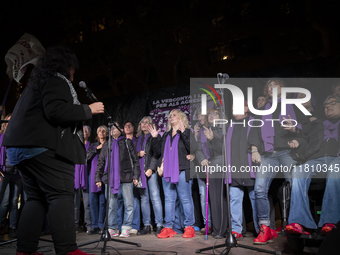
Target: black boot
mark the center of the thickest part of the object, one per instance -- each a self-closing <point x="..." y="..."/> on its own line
<point x="145" y="230"/>
<point x="93" y="231"/>
<point x="158" y="230"/>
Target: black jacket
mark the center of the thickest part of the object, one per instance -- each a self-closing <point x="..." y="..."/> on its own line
<point x="127" y="173"/>
<point x="150" y="160"/>
<point x="45" y="116"/>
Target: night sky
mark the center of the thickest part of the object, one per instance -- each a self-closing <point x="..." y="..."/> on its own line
<point x="127" y="47"/>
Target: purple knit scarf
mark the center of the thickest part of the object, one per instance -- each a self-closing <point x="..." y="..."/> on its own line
<point x="331" y="130"/>
<point x="114" y="180"/>
<point x="94" y="163"/>
<point x="268" y="131"/>
<point x="171" y="163"/>
<point x="205" y="148"/>
<point x="80" y="173"/>
<point x="142" y="160"/>
<point x="228" y="143"/>
<point x="2" y="155"/>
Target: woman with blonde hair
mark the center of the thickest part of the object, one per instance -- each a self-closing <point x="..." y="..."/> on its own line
<point x="173" y="148"/>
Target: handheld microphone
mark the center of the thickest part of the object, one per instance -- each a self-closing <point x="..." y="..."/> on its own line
<point x="89" y="93"/>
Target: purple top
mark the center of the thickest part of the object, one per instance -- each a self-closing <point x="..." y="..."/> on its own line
<point x="331" y="130"/>
<point x="205" y="148"/>
<point x="142" y="159"/>
<point x="171" y="163"/>
<point x="2" y="155"/>
<point x="94" y="163"/>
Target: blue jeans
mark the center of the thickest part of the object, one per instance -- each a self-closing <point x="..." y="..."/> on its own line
<point x="86" y="202"/>
<point x="203" y="199"/>
<point x="12" y="184"/>
<point x="264" y="178"/>
<point x="151" y="192"/>
<point x="330" y="211"/>
<point x="98" y="208"/>
<point x="182" y="190"/>
<point x="126" y="192"/>
<point x="136" y="210"/>
<point x="236" y="207"/>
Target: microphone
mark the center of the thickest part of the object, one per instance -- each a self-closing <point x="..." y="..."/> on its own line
<point x="223" y="75"/>
<point x="89" y="93"/>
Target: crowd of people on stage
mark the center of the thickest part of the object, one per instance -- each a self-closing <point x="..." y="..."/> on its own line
<point x="150" y="181"/>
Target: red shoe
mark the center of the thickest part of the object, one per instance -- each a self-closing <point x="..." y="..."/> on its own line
<point x="265" y="236"/>
<point x="273" y="232"/>
<point x="238" y="236"/>
<point x="189" y="232"/>
<point x="34" y="253"/>
<point x="166" y="232"/>
<point x="327" y="228"/>
<point x="279" y="229"/>
<point x="77" y="252"/>
<point x="296" y="229"/>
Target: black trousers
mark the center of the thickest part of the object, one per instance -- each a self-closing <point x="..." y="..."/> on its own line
<point x="49" y="184"/>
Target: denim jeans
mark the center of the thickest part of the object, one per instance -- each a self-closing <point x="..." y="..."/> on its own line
<point x="330" y="211"/>
<point x="86" y="202"/>
<point x="264" y="178"/>
<point x="98" y="208"/>
<point x="126" y="192"/>
<point x="10" y="188"/>
<point x="151" y="192"/>
<point x="236" y="207"/>
<point x="203" y="199"/>
<point x="136" y="210"/>
<point x="182" y="190"/>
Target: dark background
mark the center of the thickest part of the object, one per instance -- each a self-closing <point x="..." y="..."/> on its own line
<point x="129" y="50"/>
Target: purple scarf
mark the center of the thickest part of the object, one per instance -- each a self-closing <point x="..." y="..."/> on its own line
<point x="228" y="141"/>
<point x="114" y="180"/>
<point x="171" y="163"/>
<point x="268" y="132"/>
<point x="94" y="163"/>
<point x="80" y="173"/>
<point x="142" y="160"/>
<point x="205" y="148"/>
<point x="331" y="130"/>
<point x="2" y="155"/>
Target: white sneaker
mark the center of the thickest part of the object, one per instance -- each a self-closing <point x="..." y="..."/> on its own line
<point x="125" y="233"/>
<point x="133" y="231"/>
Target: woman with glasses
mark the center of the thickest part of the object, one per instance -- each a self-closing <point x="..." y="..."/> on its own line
<point x="212" y="156"/>
<point x="149" y="177"/>
<point x="97" y="195"/>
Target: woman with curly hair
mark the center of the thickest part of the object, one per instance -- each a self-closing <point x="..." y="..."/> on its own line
<point x="174" y="147"/>
<point x="45" y="140"/>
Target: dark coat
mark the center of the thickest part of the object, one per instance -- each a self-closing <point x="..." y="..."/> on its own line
<point x="45" y="116"/>
<point x="127" y="173"/>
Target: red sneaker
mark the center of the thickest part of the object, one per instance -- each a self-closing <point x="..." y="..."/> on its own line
<point x="279" y="229"/>
<point x="273" y="232"/>
<point x="327" y="228"/>
<point x="166" y="232"/>
<point x="297" y="229"/>
<point x="238" y="236"/>
<point x="77" y="252"/>
<point x="189" y="232"/>
<point x="34" y="253"/>
<point x="265" y="236"/>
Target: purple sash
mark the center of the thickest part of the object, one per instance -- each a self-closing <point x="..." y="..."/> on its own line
<point x="171" y="163"/>
<point x="94" y="163"/>
<point x="205" y="148"/>
<point x="331" y="130"/>
<point x="80" y="173"/>
<point x="2" y="155"/>
<point x="114" y="180"/>
<point x="268" y="131"/>
<point x="228" y="141"/>
<point x="142" y="160"/>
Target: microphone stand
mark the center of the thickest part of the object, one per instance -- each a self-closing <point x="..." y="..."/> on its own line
<point x="230" y="241"/>
<point x="106" y="235"/>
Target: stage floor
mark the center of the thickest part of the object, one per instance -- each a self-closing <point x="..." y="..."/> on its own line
<point x="152" y="245"/>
